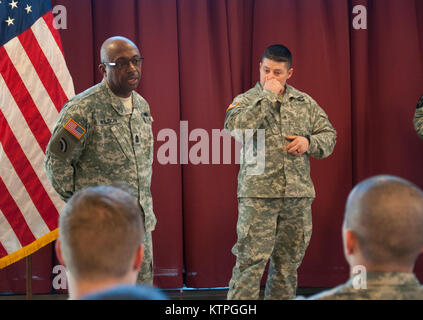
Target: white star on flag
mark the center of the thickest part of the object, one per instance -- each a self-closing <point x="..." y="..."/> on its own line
<point x="28" y="8"/>
<point x="13" y="4"/>
<point x="9" y="21"/>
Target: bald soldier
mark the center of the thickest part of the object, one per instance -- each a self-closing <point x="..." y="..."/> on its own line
<point x="104" y="135"/>
<point x="382" y="236"/>
<point x="418" y="118"/>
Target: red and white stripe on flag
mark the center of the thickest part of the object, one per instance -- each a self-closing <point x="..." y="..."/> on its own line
<point x="34" y="85"/>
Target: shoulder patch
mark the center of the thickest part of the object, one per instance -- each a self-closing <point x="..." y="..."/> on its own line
<point x="62" y="144"/>
<point x="233" y="105"/>
<point x="74" y="128"/>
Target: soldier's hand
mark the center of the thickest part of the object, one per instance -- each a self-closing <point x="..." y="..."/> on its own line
<point x="297" y="146"/>
<point x="273" y="85"/>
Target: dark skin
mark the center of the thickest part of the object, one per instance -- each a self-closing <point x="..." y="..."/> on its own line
<point x="122" y="81"/>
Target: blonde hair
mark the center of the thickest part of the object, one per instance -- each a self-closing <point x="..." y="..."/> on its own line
<point x="100" y="229"/>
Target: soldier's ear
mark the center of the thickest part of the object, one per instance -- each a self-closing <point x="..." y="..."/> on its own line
<point x="350" y="242"/>
<point x="139" y="255"/>
<point x="58" y="250"/>
<point x="102" y="69"/>
<point x="290" y="72"/>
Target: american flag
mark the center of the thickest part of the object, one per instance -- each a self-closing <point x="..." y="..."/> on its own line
<point x="74" y="128"/>
<point x="34" y="85"/>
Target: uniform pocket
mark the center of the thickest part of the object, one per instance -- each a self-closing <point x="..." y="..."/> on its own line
<point x="147" y="119"/>
<point x="244" y="218"/>
<point x="123" y="140"/>
<point x="147" y="140"/>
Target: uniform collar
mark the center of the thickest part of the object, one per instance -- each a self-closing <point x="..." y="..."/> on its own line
<point x="379" y="278"/>
<point x="114" y="100"/>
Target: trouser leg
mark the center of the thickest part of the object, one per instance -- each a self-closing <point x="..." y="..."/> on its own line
<point x="145" y="275"/>
<point x="256" y="235"/>
<point x="293" y="233"/>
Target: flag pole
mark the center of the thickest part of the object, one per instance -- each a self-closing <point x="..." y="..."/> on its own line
<point x="29" y="277"/>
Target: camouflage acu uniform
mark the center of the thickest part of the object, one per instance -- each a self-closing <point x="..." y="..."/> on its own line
<point x="418" y="118"/>
<point x="379" y="286"/>
<point x="109" y="144"/>
<point x="274" y="207"/>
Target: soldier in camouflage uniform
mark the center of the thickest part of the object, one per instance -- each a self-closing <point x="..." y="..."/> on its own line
<point x="418" y="118"/>
<point x="379" y="285"/>
<point x="104" y="135"/>
<point x="274" y="206"/>
<point x="383" y="236"/>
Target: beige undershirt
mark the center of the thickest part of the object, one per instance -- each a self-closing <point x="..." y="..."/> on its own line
<point x="127" y="102"/>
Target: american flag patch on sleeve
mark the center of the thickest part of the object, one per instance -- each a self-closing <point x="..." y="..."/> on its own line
<point x="74" y="128"/>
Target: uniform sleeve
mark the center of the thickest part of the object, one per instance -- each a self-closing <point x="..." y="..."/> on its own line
<point x="64" y="150"/>
<point x="323" y="136"/>
<point x="248" y="111"/>
<point x="418" y="118"/>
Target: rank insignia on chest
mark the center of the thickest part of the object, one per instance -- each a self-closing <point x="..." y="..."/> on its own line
<point x="74" y="128"/>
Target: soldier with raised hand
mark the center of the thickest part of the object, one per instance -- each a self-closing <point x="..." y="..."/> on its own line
<point x="383" y="237"/>
<point x="104" y="134"/>
<point x="418" y="118"/>
<point x="274" y="206"/>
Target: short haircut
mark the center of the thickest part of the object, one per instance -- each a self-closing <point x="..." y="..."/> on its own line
<point x="278" y="53"/>
<point x="386" y="215"/>
<point x="100" y="230"/>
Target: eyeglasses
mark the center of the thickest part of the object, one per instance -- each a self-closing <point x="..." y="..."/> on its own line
<point x="122" y="63"/>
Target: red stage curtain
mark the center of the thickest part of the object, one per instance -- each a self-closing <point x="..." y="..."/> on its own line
<point x="208" y="45"/>
<point x="198" y="56"/>
<point x="386" y="83"/>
